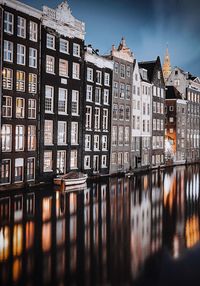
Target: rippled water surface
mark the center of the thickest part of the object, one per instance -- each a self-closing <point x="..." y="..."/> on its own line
<point x="143" y="230"/>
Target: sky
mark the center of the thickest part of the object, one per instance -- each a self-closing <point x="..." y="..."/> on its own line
<point x="147" y="25"/>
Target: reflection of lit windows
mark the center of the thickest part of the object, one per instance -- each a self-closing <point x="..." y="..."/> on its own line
<point x="5" y="243"/>
<point x="30" y="229"/>
<point x="5" y="175"/>
<point x="17" y="240"/>
<point x="46" y="237"/>
<point x="46" y="208"/>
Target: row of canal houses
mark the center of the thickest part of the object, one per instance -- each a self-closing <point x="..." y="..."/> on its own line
<point x="64" y="107"/>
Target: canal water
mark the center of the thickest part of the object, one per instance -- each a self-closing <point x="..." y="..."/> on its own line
<point x="143" y="230"/>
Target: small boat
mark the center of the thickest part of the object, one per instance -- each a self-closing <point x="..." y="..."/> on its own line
<point x="70" y="179"/>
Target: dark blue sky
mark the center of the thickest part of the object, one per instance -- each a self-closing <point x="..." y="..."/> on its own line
<point x="147" y="26"/>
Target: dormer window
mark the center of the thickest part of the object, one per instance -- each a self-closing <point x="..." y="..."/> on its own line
<point x="158" y="74"/>
<point x="145" y="74"/>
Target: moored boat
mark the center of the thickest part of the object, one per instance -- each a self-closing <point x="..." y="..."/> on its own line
<point x="70" y="179"/>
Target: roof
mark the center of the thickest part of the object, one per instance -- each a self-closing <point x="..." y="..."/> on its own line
<point x="172" y="93"/>
<point x="149" y="66"/>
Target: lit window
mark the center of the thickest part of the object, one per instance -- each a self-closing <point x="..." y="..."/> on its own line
<point x="8" y="51"/>
<point x="19" y="138"/>
<point x="33" y="33"/>
<point x="20" y="81"/>
<point x="7" y="78"/>
<point x="20" y="107"/>
<point x="19" y="169"/>
<point x="47" y="161"/>
<point x="62" y="101"/>
<point x="107" y="79"/>
<point x="6" y="138"/>
<point x="31" y="108"/>
<point x="76" y="50"/>
<point x="50" y="41"/>
<point x="49" y="95"/>
<point x="76" y="71"/>
<point x="30" y="169"/>
<point x="21" y="27"/>
<point x="8" y="22"/>
<point x="61" y="162"/>
<point x="50" y="64"/>
<point x="63" y="68"/>
<point x="32" y="58"/>
<point x="48" y="132"/>
<point x="32" y="83"/>
<point x="62" y="132"/>
<point x="73" y="159"/>
<point x="89" y="74"/>
<point x="74" y="133"/>
<point x="64" y="46"/>
<point x="21" y="54"/>
<point x="75" y="102"/>
<point x="7" y="106"/>
<point x="31" y="137"/>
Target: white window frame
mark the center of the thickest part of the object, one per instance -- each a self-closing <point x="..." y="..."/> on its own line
<point x="19" y="161"/>
<point x="97" y="116"/>
<point x="7" y="107"/>
<point x="63" y="68"/>
<point x="49" y="99"/>
<point x="90" y="74"/>
<point x="48" y="132"/>
<point x="88" y="118"/>
<point x="6" y="138"/>
<point x="33" y="31"/>
<point x="31" y="145"/>
<point x="87" y="142"/>
<point x="8" y="51"/>
<point x="89" y="92"/>
<point x="32" y="58"/>
<point x="61" y="161"/>
<point x="32" y="83"/>
<point x="28" y="162"/>
<point x="75" y="103"/>
<point x="104" y="161"/>
<point x="50" y="64"/>
<point x="7" y="80"/>
<point x="98" y="77"/>
<point x="76" y="50"/>
<point x="21" y="27"/>
<point x="104" y="142"/>
<point x="21" y="54"/>
<point x="50" y="41"/>
<point x="107" y="79"/>
<point x="74" y="133"/>
<point x="64" y="43"/>
<point x="105" y="119"/>
<point x="20" y="109"/>
<point x="62" y="137"/>
<point x="73" y="159"/>
<point x="8" y="23"/>
<point x="62" y="92"/>
<point x="106" y="96"/>
<point x="20" y="81"/>
<point x="96" y="142"/>
<point x="32" y="108"/>
<point x="49" y="158"/>
<point x="19" y="136"/>
<point x="87" y="162"/>
<point x="76" y="71"/>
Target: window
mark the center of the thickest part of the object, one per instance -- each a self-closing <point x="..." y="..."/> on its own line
<point x="20" y="107"/>
<point x="104" y="143"/>
<point x="116" y="67"/>
<point x="73" y="159"/>
<point x="144" y="108"/>
<point x="21" y="54"/>
<point x="20" y="81"/>
<point x="171" y="130"/>
<point x="7" y="78"/>
<point x="31" y="137"/>
<point x="154" y="124"/>
<point x="19" y="138"/>
<point x="87" y="142"/>
<point x="76" y="71"/>
<point x="88" y="117"/>
<point x="76" y="50"/>
<point x="51" y="41"/>
<point x="50" y="63"/>
<point x="48" y="132"/>
<point x="114" y="158"/>
<point x="74" y="133"/>
<point x="19" y="169"/>
<point x="143" y="124"/>
<point x="128" y="91"/>
<point x="98" y="95"/>
<point x="61" y="162"/>
<point x="5" y="176"/>
<point x="89" y="93"/>
<point x="106" y="96"/>
<point x="171" y="108"/>
<point x="89" y="74"/>
<point x="97" y="119"/>
<point x="128" y="113"/>
<point x="21" y="27"/>
<point x="115" y="111"/>
<point x="96" y="142"/>
<point x="121" y="112"/>
<point x="122" y="71"/>
<point x="126" y="158"/>
<point x="106" y="79"/>
<point x="133" y="121"/>
<point x="8" y="22"/>
<point x="33" y="34"/>
<point x="8" y="51"/>
<point x="64" y="46"/>
<point x="115" y="89"/>
<point x="7" y="106"/>
<point x="31" y="108"/>
<point x="49" y="95"/>
<point x="171" y="119"/>
<point x="105" y="119"/>
<point x="30" y="169"/>
<point x="63" y="68"/>
<point x="154" y="107"/>
<point x="162" y="93"/>
<point x="86" y="162"/>
<point x="6" y="138"/>
<point x="32" y="58"/>
<point x="114" y="135"/>
<point x="75" y="102"/>
<point x="121" y="135"/>
<point x="62" y="132"/>
<point x="62" y="101"/>
<point x="122" y="89"/>
<point x="104" y="161"/>
<point x="138" y="122"/>
<point x="47" y="161"/>
<point x="99" y="76"/>
<point x="127" y="135"/>
<point x="128" y="71"/>
<point x="32" y="83"/>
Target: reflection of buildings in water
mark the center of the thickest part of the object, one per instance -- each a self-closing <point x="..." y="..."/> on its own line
<point x="192" y="232"/>
<point x="4" y="243"/>
<point x="140" y="212"/>
<point x="18" y="208"/>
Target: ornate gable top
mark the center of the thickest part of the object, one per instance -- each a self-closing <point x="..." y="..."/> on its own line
<point x="123" y="51"/>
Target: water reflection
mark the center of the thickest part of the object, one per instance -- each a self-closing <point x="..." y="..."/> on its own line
<point x="103" y="235"/>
